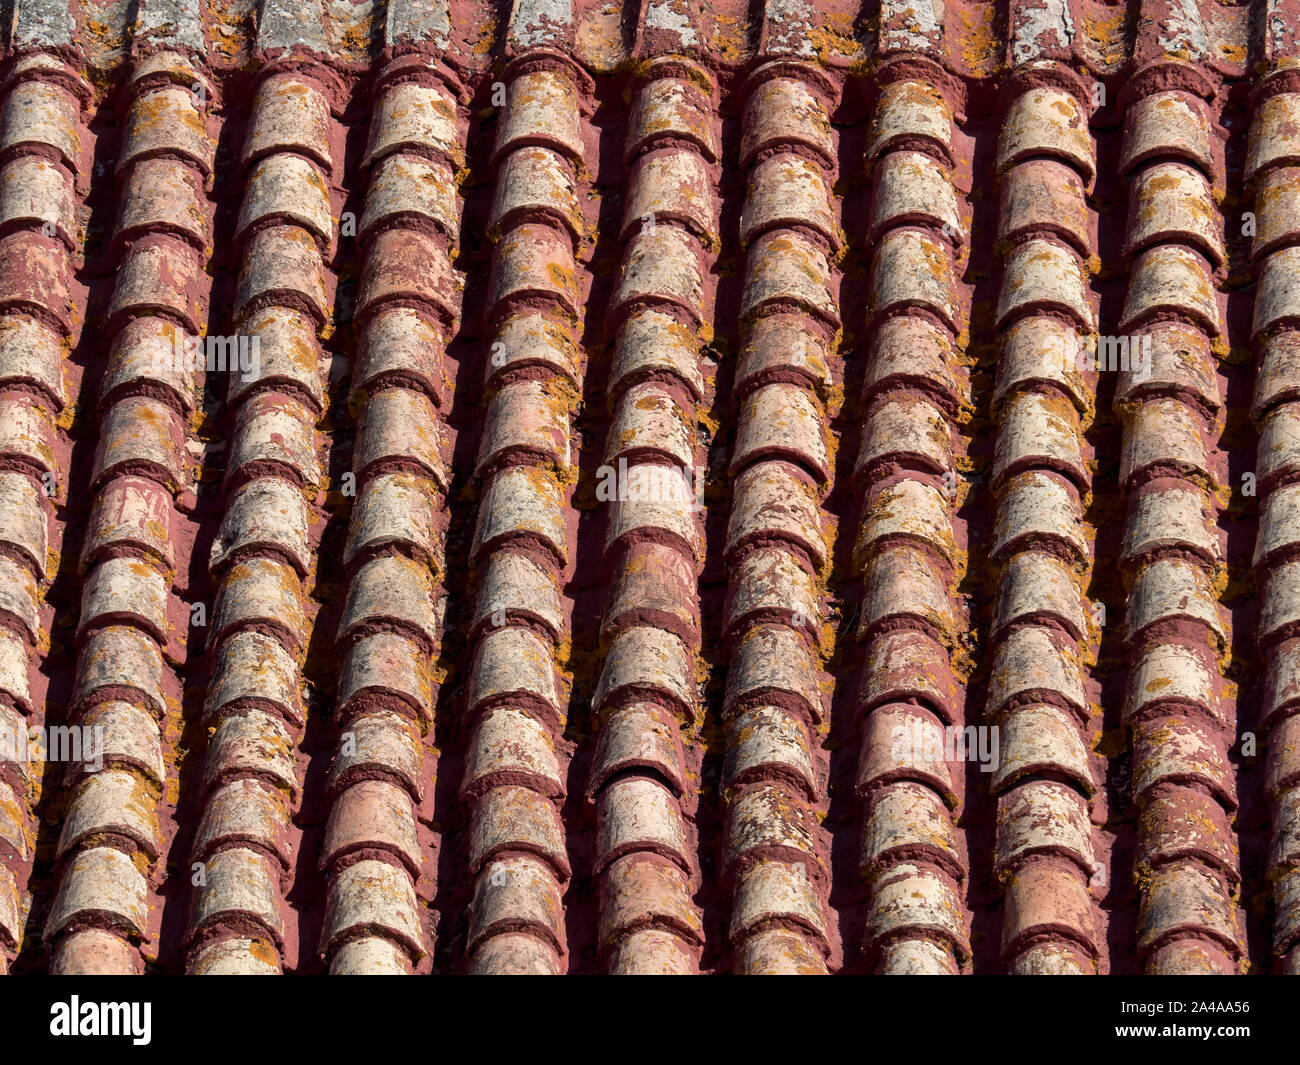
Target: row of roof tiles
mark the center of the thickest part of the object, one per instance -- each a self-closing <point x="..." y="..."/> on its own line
<point x="901" y="504"/>
<point x="975" y="40"/>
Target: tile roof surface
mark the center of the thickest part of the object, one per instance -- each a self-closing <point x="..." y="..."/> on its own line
<point x="656" y="488"/>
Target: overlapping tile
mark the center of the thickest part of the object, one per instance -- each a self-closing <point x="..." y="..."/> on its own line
<point x="1171" y="408"/>
<point x="646" y="699"/>
<point x="44" y="167"/>
<point x="489" y="250"/>
<point x="910" y="859"/>
<point x="1271" y="168"/>
<point x="1044" y="784"/>
<point x="254" y="711"/>
<point x="389" y="629"/>
<point x="776" y="550"/>
<point x="127" y="629"/>
<point x="516" y="699"/>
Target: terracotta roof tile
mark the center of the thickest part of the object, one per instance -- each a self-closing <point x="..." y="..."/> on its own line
<point x="616" y="419"/>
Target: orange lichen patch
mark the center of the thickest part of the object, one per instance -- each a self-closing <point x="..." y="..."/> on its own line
<point x="353" y="44"/>
<point x="702" y="671"/>
<point x="599" y="39"/>
<point x="1103" y="39"/>
<point x="485" y="37"/>
<point x="1233" y="53"/>
<point x="980" y="46"/>
<point x="229" y="29"/>
<point x="102" y="45"/>
<point x="834" y="40"/>
<point x="264" y="952"/>
<point x="729" y="41"/>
